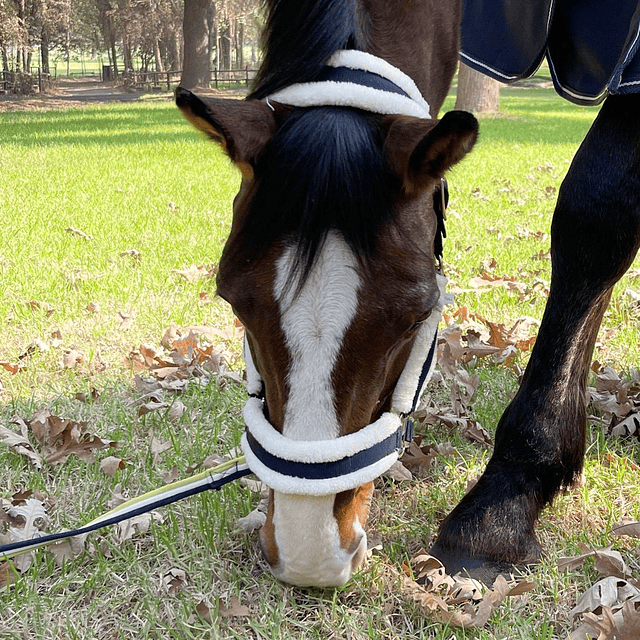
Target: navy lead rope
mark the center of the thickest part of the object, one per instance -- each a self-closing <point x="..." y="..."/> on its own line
<point x="202" y="482"/>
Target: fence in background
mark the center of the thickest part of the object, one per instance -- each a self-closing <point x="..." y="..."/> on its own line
<point x="159" y="79"/>
<point x="24" y="83"/>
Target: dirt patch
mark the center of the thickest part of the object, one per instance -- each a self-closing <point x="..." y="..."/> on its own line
<point x="69" y="93"/>
<point x="74" y="93"/>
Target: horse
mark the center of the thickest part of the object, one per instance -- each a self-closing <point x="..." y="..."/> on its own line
<point x="333" y="266"/>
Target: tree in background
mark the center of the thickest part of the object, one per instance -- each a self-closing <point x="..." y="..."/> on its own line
<point x="145" y="34"/>
<point x="11" y="33"/>
<point x="197" y="54"/>
<point x="476" y="93"/>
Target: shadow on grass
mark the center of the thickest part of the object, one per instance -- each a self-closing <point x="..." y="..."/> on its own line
<point x="529" y="115"/>
<point x="106" y="125"/>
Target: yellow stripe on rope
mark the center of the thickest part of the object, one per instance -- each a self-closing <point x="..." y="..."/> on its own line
<point x="156" y="493"/>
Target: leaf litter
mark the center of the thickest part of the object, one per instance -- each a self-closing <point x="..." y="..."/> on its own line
<point x="456" y="600"/>
<point x="47" y="439"/>
<point x="184" y="359"/>
<point x="616" y="397"/>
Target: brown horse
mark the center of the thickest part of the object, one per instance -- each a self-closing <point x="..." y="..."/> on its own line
<point x="330" y="262"/>
<point x="331" y="265"/>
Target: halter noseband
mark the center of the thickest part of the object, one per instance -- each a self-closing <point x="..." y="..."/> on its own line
<point x="353" y="79"/>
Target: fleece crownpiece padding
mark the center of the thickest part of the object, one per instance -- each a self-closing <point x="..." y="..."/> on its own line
<point x="400" y="96"/>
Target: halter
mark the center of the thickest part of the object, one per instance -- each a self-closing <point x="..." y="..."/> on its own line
<point x="323" y="467"/>
<point x="358" y="79"/>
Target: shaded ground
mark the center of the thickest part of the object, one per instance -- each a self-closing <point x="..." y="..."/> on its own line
<point x="69" y="92"/>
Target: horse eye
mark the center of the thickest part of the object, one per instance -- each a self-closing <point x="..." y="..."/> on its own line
<point x="418" y="323"/>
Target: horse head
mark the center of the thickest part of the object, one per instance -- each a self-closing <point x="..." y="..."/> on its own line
<point x="330" y="267"/>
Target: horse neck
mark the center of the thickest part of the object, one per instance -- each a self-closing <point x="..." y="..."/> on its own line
<point x="421" y="38"/>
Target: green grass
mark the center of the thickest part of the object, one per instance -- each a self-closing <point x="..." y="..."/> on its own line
<point x="132" y="178"/>
<point x="137" y="177"/>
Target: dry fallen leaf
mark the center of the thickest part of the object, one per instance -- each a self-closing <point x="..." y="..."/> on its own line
<point x="137" y="525"/>
<point x="20" y="444"/>
<point x="171" y="476"/>
<point x="235" y="609"/>
<point x="252" y="522"/>
<point x="59" y="438"/>
<point x="72" y="358"/>
<point x="67" y="549"/>
<point x="77" y="232"/>
<point x="622" y="623"/>
<point x="11" y="367"/>
<point x="30" y="519"/>
<point x="608" y="592"/>
<point x="126" y="320"/>
<point x="174" y="580"/>
<point x="111" y="465"/>
<point x="203" y="608"/>
<point x="8" y="574"/>
<point x="625" y="528"/>
<point x="398" y="472"/>
<point x="193" y="273"/>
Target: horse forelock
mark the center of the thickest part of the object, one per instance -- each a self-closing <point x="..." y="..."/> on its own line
<point x="292" y="54"/>
<point x="325" y="169"/>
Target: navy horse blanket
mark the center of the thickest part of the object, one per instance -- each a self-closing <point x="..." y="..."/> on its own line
<point x="592" y="46"/>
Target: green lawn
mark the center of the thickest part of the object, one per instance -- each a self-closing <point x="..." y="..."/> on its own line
<point x="151" y="197"/>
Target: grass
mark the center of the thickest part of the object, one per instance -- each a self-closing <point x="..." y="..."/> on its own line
<point x="137" y="177"/>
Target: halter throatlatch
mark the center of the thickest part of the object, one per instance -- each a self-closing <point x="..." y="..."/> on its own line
<point x="351" y="79"/>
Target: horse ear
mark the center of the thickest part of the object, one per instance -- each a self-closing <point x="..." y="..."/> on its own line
<point x="420" y="151"/>
<point x="242" y="127"/>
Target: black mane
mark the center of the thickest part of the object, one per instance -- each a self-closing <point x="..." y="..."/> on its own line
<point x="325" y="167"/>
<point x="299" y="38"/>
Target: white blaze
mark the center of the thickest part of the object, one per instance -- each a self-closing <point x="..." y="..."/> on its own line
<point x="314" y="324"/>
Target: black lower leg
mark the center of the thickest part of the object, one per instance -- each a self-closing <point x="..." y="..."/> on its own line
<point x="540" y="439"/>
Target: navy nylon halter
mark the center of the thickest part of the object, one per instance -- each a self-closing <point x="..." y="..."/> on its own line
<point x="359" y="77"/>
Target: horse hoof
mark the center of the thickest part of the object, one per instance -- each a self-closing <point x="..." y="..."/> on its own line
<point x="478" y="567"/>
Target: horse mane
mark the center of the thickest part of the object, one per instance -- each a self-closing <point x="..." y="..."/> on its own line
<point x="324" y="169"/>
<point x="299" y="37"/>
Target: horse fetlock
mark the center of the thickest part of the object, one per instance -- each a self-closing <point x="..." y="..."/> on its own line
<point x="492" y="529"/>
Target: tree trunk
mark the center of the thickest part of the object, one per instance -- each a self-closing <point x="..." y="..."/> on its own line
<point x="225" y="48"/>
<point x="239" y="44"/>
<point x="212" y="27"/>
<point x="114" y="54"/>
<point x="5" y="57"/>
<point x="195" y="71"/>
<point x="21" y="56"/>
<point x="176" y="55"/>
<point x="44" y="22"/>
<point x="44" y="48"/>
<point x="476" y="92"/>
<point x="156" y="40"/>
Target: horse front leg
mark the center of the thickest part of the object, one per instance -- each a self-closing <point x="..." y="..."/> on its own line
<point x="540" y="439"/>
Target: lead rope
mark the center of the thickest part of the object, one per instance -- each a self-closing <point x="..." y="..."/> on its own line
<point x="235" y="469"/>
<point x="214" y="478"/>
